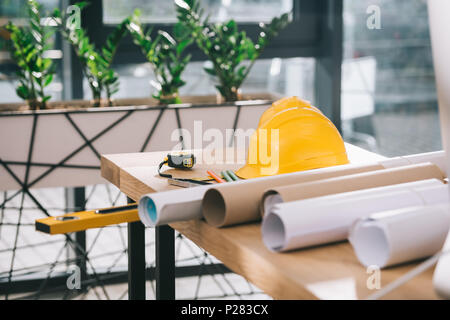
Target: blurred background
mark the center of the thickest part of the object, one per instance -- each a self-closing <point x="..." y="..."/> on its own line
<point x="388" y="105"/>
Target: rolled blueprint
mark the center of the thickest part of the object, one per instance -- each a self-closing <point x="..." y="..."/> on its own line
<point x="435" y="157"/>
<point x="171" y="206"/>
<point x="227" y="204"/>
<point x="393" y="237"/>
<point x="353" y="182"/>
<point x="310" y="222"/>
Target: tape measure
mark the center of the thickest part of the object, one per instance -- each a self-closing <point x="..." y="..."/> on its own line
<point x="184" y="161"/>
<point x="180" y="160"/>
<point x="177" y="161"/>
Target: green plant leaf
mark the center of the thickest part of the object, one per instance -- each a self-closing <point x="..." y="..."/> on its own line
<point x="164" y="52"/>
<point x="180" y="32"/>
<point x="28" y="44"/>
<point x="23" y="92"/>
<point x="96" y="63"/>
<point x="82" y="4"/>
<point x="183" y="5"/>
<point x="210" y="71"/>
<point x="231" y="27"/>
<point x="224" y="45"/>
<point x="182" y="46"/>
<point x="48" y="79"/>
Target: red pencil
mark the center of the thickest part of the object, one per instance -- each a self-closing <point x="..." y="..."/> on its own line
<point x="215" y="176"/>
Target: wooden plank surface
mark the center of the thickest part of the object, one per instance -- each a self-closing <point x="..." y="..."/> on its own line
<point x="324" y="272"/>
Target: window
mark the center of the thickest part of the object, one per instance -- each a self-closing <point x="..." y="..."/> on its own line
<point x="18" y="8"/>
<point x="163" y="11"/>
<point x="285" y="77"/>
<point x="388" y="87"/>
<point x="272" y="73"/>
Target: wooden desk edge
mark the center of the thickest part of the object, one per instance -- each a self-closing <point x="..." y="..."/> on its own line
<point x="109" y="170"/>
<point x="132" y="190"/>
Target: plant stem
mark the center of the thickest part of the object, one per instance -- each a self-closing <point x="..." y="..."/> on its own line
<point x="34" y="105"/>
<point x="169" y="98"/>
<point x="97" y="97"/>
<point x="108" y="97"/>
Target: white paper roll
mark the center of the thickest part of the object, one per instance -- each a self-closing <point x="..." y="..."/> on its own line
<point x="349" y="183"/>
<point x="397" y="236"/>
<point x="161" y="208"/>
<point x="309" y="222"/>
<point x="436" y="157"/>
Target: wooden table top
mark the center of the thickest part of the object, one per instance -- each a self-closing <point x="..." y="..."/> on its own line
<point x="324" y="272"/>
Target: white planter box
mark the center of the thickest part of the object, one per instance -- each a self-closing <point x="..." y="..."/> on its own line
<point x="61" y="148"/>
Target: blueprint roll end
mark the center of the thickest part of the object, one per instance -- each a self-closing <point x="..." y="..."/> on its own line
<point x="370" y="244"/>
<point x="268" y="200"/>
<point x="273" y="232"/>
<point x="213" y="208"/>
<point x="148" y="212"/>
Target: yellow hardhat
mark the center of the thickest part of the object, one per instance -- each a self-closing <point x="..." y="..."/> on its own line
<point x="305" y="140"/>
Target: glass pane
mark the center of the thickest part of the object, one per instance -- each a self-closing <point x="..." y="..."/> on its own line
<point x="160" y="11"/>
<point x="389" y="98"/>
<point x="18" y="8"/>
<point x="294" y="76"/>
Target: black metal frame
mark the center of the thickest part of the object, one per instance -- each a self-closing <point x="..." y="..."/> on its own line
<point x="117" y="275"/>
<point x="76" y="201"/>
<point x="136" y="260"/>
<point x="25" y="185"/>
<point x="165" y="263"/>
<point x="329" y="60"/>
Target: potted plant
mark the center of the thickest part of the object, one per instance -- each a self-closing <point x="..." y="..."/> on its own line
<point x="226" y="47"/>
<point x="165" y="55"/>
<point x="96" y="64"/>
<point x="35" y="72"/>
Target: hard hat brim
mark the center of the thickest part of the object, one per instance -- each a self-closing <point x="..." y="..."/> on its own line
<point x="250" y="171"/>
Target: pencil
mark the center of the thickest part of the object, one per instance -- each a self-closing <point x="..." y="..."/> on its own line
<point x="233" y="175"/>
<point x="226" y="176"/>
<point x="215" y="176"/>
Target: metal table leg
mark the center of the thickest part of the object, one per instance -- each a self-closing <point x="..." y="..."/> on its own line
<point x="136" y="260"/>
<point x="76" y="201"/>
<point x="165" y="263"/>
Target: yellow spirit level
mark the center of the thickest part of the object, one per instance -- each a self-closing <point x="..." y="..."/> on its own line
<point x="83" y="220"/>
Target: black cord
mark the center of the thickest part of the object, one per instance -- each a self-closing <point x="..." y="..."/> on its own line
<point x="169" y="176"/>
<point x="164" y="175"/>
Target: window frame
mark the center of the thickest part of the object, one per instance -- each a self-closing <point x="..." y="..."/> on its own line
<point x="299" y="39"/>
